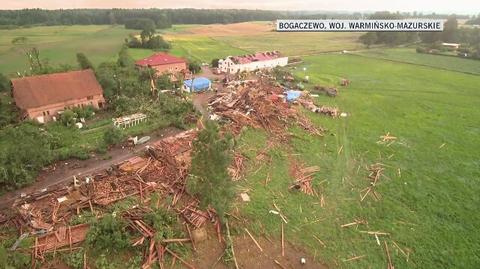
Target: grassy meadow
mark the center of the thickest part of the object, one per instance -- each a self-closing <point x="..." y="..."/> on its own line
<point x="294" y="44"/>
<point x="409" y="55"/>
<point x="429" y="191"/>
<point x="59" y="44"/>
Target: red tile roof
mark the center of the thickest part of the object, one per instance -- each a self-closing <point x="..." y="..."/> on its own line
<point x="38" y="91"/>
<point x="257" y="57"/>
<point x="160" y="59"/>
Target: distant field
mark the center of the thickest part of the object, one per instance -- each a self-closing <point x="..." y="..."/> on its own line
<point x="430" y="188"/>
<point x="59" y="44"/>
<point x="295" y="43"/>
<point x="203" y="49"/>
<point x="409" y="55"/>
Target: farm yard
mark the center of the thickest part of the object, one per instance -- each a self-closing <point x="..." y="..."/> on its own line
<point x="411" y="122"/>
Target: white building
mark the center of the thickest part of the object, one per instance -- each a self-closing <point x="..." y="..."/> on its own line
<point x="250" y="62"/>
<point x="451" y="45"/>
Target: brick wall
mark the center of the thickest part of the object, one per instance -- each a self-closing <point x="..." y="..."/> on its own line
<point x="46" y="113"/>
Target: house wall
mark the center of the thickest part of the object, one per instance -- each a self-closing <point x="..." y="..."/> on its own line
<point x="46" y="113"/>
<point x="170" y="68"/>
<point x="228" y="66"/>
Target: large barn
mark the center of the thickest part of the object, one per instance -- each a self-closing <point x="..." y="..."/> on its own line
<point x="44" y="97"/>
<point x="250" y="62"/>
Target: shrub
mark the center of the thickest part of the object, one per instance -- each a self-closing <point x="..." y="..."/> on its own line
<point x="194" y="67"/>
<point x="4" y="83"/>
<point x="83" y="61"/>
<point x="421" y="50"/>
<point x="214" y="62"/>
<point x="74" y="259"/>
<point x="103" y="263"/>
<point x="113" y="136"/>
<point x="86" y="112"/>
<point x="68" y="118"/>
<point x="108" y="235"/>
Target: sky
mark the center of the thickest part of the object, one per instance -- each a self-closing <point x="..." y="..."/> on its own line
<point x="426" y="6"/>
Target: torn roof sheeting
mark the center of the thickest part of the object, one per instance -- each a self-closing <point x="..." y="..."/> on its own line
<point x="197" y="84"/>
<point x="292" y="95"/>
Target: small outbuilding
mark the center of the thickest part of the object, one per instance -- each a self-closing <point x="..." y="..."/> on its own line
<point x="197" y="84"/>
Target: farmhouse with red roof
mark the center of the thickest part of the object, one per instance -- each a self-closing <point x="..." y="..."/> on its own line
<point x="44" y="97"/>
<point x="250" y="62"/>
<point x="164" y="63"/>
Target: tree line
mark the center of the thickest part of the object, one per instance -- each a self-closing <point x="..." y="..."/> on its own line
<point x="163" y="18"/>
<point x="469" y="38"/>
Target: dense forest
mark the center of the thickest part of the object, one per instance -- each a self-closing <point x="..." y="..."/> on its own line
<point x="163" y="18"/>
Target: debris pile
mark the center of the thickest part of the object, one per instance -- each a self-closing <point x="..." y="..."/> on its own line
<point x="329" y="91"/>
<point x="375" y="172"/>
<point x="164" y="171"/>
<point x="237" y="168"/>
<point x="303" y="177"/>
<point x="344" y="82"/>
<point x="258" y="104"/>
<point x="327" y="110"/>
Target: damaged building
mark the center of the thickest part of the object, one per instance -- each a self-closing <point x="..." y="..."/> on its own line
<point x="43" y="98"/>
<point x="251" y="62"/>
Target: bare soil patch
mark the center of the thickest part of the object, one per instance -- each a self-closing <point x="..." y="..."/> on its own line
<point x="249" y="256"/>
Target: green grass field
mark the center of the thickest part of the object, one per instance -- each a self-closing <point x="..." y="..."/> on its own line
<point x="429" y="194"/>
<point x="203" y="49"/>
<point x="59" y="44"/>
<point x="409" y="55"/>
<point x="293" y="44"/>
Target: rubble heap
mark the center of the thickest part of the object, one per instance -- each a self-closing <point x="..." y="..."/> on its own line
<point x="258" y="104"/>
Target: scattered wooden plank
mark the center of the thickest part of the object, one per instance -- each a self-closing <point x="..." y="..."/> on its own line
<point x="355" y="258"/>
<point x="191" y="238"/>
<point x="231" y="245"/>
<point x="180" y="259"/>
<point x="389" y="258"/>
<point x="255" y="241"/>
<point x="279" y="264"/>
<point x="283" y="242"/>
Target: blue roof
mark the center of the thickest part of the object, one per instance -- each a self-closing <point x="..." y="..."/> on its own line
<point x="199" y="84"/>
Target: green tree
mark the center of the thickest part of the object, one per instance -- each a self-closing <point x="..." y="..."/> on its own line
<point x="369" y="38"/>
<point x="4" y="83"/>
<point x="214" y="62"/>
<point x="163" y="82"/>
<point x="209" y="176"/>
<point x="147" y="33"/>
<point x="108" y="235"/>
<point x="113" y="136"/>
<point x="27" y="150"/>
<point x="124" y="58"/>
<point x="194" y="67"/>
<point x="83" y="61"/>
<point x="450" y="27"/>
